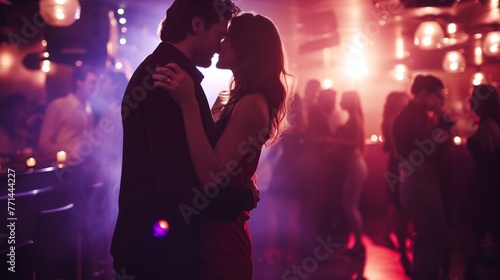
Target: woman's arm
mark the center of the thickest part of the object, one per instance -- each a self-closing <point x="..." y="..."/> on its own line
<point x="249" y="119"/>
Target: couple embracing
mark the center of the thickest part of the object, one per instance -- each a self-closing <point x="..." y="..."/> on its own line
<point x="177" y="149"/>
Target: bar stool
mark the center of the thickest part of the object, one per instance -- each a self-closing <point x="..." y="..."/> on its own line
<point x="56" y="244"/>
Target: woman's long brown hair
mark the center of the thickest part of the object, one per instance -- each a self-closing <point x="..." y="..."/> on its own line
<point x="260" y="66"/>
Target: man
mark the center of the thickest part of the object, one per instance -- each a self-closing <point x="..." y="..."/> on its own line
<point x="158" y="177"/>
<point x="421" y="145"/>
<point x="67" y="119"/>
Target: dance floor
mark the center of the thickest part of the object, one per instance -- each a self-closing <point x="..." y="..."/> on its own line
<point x="379" y="262"/>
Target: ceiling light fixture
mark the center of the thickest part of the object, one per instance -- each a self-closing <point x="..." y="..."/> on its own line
<point x="491" y="43"/>
<point x="60" y="13"/>
<point x="454" y="62"/>
<point x="429" y="35"/>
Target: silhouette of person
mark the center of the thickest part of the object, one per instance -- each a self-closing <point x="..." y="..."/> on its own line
<point x="321" y="165"/>
<point x="350" y="140"/>
<point x="398" y="221"/>
<point x="420" y="141"/>
<point x="160" y="202"/>
<point x="287" y="186"/>
<point x="253" y="115"/>
<point x="68" y="118"/>
<point x="484" y="147"/>
<point x="311" y="92"/>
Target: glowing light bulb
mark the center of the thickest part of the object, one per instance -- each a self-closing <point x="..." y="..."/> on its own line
<point x="400" y="72"/>
<point x="46" y="66"/>
<point x="452" y="28"/>
<point x="60" y="12"/>
<point x="429" y="35"/>
<point x="478" y="79"/>
<point x="454" y="62"/>
<point x="30" y="162"/>
<point x="491" y="43"/>
<point x="327" y="83"/>
<point x="61" y="157"/>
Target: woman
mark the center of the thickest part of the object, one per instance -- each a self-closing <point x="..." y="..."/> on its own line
<point x="484" y="147"/>
<point x="394" y="104"/>
<point x="251" y="114"/>
<point x="287" y="187"/>
<point x="350" y="138"/>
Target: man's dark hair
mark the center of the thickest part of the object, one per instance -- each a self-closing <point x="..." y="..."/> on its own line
<point x="81" y="73"/>
<point x="177" y="23"/>
<point x="426" y="82"/>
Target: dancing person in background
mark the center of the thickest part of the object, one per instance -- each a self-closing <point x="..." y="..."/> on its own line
<point x="68" y="118"/>
<point x="287" y="187"/>
<point x="321" y="165"/>
<point x="420" y="141"/>
<point x="311" y="93"/>
<point x="484" y="147"/>
<point x="394" y="104"/>
<point x="350" y="141"/>
<point x="251" y="115"/>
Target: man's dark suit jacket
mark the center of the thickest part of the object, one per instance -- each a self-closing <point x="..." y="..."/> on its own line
<point x="157" y="172"/>
<point x="158" y="176"/>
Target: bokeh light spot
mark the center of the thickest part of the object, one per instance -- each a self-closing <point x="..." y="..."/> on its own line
<point x="161" y="229"/>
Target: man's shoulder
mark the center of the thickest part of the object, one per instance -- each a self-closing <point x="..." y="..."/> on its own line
<point x="405" y="114"/>
<point x="59" y="102"/>
<point x="143" y="73"/>
<point x="404" y="119"/>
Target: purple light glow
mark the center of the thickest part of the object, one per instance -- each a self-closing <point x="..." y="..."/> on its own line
<point x="160" y="229"/>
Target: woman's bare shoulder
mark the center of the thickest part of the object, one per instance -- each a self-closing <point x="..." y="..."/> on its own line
<point x="255" y="99"/>
<point x="254" y="104"/>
